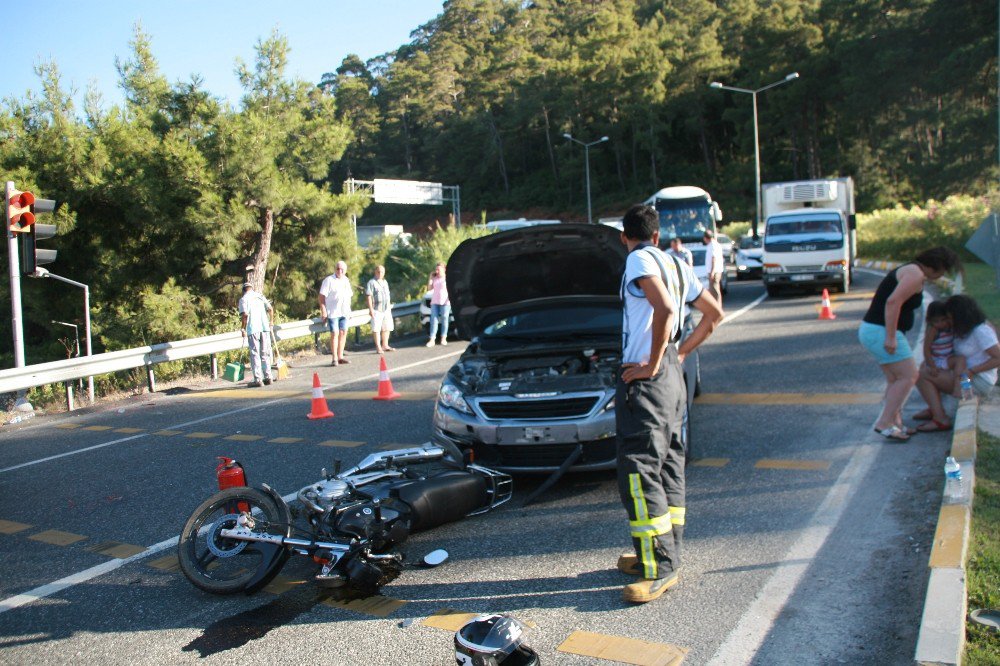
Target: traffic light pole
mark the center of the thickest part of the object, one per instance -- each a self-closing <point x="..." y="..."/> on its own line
<point x="41" y="272"/>
<point x="14" y="268"/>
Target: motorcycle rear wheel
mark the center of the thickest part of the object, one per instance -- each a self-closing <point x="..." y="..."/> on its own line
<point x="227" y="566"/>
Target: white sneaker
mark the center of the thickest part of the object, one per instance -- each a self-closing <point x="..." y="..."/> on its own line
<point x="444" y="343"/>
<point x="430" y="343"/>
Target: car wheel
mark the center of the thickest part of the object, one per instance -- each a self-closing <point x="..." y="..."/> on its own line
<point x="772" y="290"/>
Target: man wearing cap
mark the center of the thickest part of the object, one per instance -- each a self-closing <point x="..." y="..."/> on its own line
<point x="256" y="314"/>
<point x="335" y="308"/>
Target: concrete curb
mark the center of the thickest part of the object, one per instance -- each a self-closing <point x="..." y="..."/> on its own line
<point x="952" y="286"/>
<point x="941" y="639"/>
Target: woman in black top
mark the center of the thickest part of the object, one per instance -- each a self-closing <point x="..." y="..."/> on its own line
<point x="890" y="315"/>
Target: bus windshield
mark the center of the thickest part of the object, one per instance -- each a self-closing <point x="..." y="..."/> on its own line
<point x="686" y="219"/>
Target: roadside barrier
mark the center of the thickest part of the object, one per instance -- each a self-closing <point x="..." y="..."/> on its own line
<point x="69" y="370"/>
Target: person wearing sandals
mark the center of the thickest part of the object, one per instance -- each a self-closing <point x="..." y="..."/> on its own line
<point x="380" y="310"/>
<point x="977" y="353"/>
<point x="889" y="316"/>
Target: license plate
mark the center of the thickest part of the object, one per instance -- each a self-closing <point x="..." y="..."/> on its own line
<point x="801" y="278"/>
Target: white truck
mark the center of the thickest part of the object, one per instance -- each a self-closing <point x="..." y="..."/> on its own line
<point x="809" y="234"/>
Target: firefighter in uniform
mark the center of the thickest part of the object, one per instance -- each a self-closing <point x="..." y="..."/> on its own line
<point x="651" y="398"/>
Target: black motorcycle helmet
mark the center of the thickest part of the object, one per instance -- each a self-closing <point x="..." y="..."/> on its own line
<point x="493" y="640"/>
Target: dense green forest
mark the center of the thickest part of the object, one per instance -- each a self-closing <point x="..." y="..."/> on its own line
<point x="166" y="199"/>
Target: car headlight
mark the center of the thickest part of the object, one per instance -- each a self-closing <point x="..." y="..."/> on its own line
<point x="451" y="396"/>
<point x="608" y="407"/>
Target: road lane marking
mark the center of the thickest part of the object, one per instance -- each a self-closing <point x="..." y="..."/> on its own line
<point x="67" y="426"/>
<point x="230" y="394"/>
<point x="98" y="428"/>
<point x="244" y="438"/>
<point x="168" y="563"/>
<point x="745" y="309"/>
<point x="377" y="605"/>
<point x="129" y="431"/>
<point x="341" y="443"/>
<point x="281" y="584"/>
<point x="164" y="433"/>
<point x="627" y="650"/>
<point x="760" y="616"/>
<point x="285" y="440"/>
<point x="448" y="619"/>
<point x="12" y="527"/>
<point x="788" y="399"/>
<point x="57" y="537"/>
<point x="230" y="412"/>
<point x="822" y="465"/>
<point x="202" y="435"/>
<point x="710" y="462"/>
<point x="116" y="549"/>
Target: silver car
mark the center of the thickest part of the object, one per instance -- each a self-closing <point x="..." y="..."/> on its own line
<point x="541" y="309"/>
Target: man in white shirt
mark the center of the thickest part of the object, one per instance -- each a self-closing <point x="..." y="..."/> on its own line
<point x="650" y="400"/>
<point x="335" y="308"/>
<point x="255" y="314"/>
<point x="716" y="264"/>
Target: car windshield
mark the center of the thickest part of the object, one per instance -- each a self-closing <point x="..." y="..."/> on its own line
<point x="804" y="229"/>
<point x="578" y="321"/>
<point x="697" y="257"/>
<point x="747" y="243"/>
<point x="686" y="219"/>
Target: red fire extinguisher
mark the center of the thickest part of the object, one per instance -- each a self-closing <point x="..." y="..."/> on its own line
<point x="230" y="474"/>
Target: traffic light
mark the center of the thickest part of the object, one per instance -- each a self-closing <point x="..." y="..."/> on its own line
<point x="31" y="255"/>
<point x="18" y="208"/>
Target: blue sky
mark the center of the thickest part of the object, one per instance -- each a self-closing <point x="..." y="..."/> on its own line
<point x="189" y="37"/>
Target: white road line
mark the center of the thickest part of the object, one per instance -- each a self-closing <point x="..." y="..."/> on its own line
<point x="49" y="589"/>
<point x="220" y="415"/>
<point x="749" y="633"/>
<point x="746" y="308"/>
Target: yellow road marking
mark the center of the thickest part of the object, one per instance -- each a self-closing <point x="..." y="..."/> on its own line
<point x="129" y="431"/>
<point x="117" y="549"/>
<point x="710" y="462"/>
<point x="97" y="428"/>
<point x="793" y="464"/>
<point x="448" y="619"/>
<point x="202" y="435"/>
<point x="11" y="527"/>
<point x="246" y="393"/>
<point x="341" y="443"/>
<point x="627" y="650"/>
<point x="285" y="440"/>
<point x="390" y="446"/>
<point x="368" y="395"/>
<point x="378" y="606"/>
<point x="282" y="584"/>
<point x="963" y="444"/>
<point x="57" y="537"/>
<point x="168" y="563"/>
<point x="67" y="426"/>
<point x="953" y="523"/>
<point x="167" y="433"/>
<point x="244" y="438"/>
<point x="789" y="399"/>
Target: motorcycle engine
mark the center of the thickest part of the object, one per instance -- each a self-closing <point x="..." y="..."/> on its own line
<point x="326" y="493"/>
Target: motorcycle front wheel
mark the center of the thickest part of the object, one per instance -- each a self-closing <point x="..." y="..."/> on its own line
<point x="221" y="565"/>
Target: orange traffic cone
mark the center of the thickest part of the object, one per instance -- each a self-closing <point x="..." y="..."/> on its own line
<point x="320" y="410"/>
<point x="826" y="312"/>
<point x="385" y="390"/>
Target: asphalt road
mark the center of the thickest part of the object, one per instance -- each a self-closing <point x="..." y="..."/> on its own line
<point x="807" y="535"/>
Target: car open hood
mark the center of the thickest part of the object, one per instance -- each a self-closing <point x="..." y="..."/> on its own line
<point x="487" y="274"/>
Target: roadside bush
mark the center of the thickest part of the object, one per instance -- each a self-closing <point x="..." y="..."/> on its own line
<point x="736" y="230"/>
<point x="900" y="233"/>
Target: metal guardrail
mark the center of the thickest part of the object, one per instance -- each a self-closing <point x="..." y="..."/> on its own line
<point x="72" y="369"/>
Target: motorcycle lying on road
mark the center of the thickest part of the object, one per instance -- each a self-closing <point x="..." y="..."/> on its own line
<point x="239" y="539"/>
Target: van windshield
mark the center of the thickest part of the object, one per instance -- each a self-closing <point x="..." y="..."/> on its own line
<point x="802" y="232"/>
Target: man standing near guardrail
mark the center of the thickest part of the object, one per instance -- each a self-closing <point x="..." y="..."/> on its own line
<point x="380" y="309"/>
<point x="335" y="309"/>
<point x="256" y="313"/>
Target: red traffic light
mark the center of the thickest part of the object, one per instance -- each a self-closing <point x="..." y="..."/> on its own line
<point x="19" y="215"/>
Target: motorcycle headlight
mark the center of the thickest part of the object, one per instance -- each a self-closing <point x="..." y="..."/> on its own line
<point x="450" y="396"/>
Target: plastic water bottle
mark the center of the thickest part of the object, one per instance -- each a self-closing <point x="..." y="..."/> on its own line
<point x="966" y="386"/>
<point x="952" y="479"/>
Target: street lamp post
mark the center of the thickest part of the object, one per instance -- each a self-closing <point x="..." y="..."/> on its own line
<point x="756" y="139"/>
<point x="41" y="272"/>
<point x="586" y="157"/>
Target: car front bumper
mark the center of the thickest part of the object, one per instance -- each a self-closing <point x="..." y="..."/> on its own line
<point x="530" y="446"/>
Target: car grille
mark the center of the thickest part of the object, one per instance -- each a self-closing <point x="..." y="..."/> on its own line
<point x="803" y="269"/>
<point x="545" y="455"/>
<point x="560" y="408"/>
